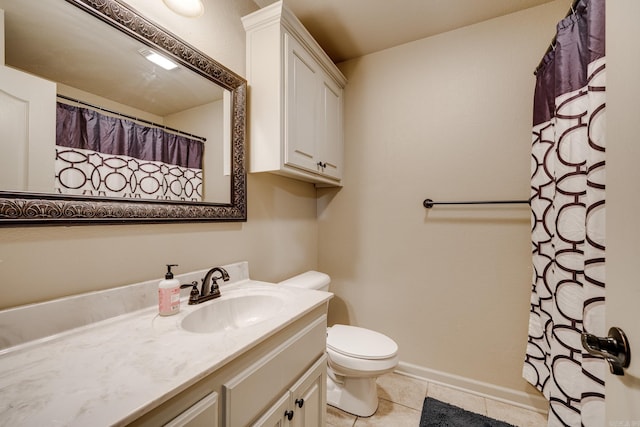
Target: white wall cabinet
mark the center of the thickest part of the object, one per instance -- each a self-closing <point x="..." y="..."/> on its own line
<point x="295" y="100"/>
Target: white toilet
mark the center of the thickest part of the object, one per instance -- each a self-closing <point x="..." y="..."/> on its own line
<point x="356" y="357"/>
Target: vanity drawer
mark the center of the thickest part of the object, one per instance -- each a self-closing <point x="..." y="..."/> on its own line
<point x="251" y="392"/>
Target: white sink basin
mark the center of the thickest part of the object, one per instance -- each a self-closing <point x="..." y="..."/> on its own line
<point x="234" y="311"/>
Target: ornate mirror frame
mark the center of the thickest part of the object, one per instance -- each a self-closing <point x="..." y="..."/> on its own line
<point x="18" y="208"/>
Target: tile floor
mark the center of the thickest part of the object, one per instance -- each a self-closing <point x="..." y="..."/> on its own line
<point x="401" y="399"/>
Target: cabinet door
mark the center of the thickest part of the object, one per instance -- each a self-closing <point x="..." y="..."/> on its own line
<point x="331" y="147"/>
<point x="309" y="396"/>
<point x="302" y="92"/>
<point x="276" y="416"/>
<point x="202" y="414"/>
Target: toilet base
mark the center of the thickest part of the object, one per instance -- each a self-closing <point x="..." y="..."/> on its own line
<point x="357" y="396"/>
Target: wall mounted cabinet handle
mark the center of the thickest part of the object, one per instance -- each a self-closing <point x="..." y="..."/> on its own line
<point x="300" y="402"/>
<point x="613" y="348"/>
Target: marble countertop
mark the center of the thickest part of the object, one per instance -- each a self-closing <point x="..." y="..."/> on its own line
<point x="113" y="371"/>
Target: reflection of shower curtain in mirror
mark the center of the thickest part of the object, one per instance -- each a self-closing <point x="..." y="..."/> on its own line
<point x="568" y="219"/>
<point x="100" y="155"/>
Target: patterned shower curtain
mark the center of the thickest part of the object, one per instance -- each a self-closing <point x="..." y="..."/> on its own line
<point x="100" y="155"/>
<point x="568" y="220"/>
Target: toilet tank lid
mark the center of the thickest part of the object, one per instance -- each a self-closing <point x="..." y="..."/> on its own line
<point x="309" y="280"/>
<point x="360" y="342"/>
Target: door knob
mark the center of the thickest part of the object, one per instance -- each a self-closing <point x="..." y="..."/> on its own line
<point x="613" y="348"/>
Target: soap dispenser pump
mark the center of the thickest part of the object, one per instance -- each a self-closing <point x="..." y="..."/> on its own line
<point x="169" y="294"/>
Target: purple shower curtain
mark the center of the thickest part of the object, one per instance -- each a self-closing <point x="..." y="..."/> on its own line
<point x="568" y="219"/>
<point x="101" y="155"/>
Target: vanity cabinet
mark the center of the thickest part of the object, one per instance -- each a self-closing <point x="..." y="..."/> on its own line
<point x="304" y="404"/>
<point x="295" y="100"/>
<point x="285" y="372"/>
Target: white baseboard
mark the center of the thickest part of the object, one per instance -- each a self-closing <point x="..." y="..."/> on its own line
<point x="479" y="388"/>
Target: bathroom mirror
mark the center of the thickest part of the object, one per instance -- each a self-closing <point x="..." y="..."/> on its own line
<point x="111" y="36"/>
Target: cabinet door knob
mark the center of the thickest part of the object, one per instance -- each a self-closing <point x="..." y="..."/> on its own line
<point x="322" y="165"/>
<point x="300" y="402"/>
<point x="288" y="415"/>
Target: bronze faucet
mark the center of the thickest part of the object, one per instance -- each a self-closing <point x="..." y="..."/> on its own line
<point x="209" y="289"/>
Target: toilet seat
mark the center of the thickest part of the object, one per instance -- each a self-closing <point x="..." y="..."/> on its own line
<point x="360" y="352"/>
<point x="361" y="343"/>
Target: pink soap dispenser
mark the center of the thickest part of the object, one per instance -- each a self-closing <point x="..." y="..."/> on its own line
<point x="169" y="294"/>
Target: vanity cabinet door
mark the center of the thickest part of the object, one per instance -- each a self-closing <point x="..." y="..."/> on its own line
<point x="304" y="404"/>
<point x="203" y="413"/>
<point x="276" y="416"/>
<point x="250" y="393"/>
<point x="309" y="397"/>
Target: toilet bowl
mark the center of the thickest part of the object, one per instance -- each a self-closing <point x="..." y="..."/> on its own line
<point x="356" y="357"/>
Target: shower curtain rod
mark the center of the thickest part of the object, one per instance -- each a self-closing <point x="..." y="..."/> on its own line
<point x="552" y="45"/>
<point x="147" y="122"/>
<point x="428" y="203"/>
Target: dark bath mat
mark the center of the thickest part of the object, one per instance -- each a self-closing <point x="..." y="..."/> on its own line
<point x="440" y="414"/>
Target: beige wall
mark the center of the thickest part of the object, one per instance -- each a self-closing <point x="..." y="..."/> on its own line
<point x="449" y="118"/>
<point x="279" y="240"/>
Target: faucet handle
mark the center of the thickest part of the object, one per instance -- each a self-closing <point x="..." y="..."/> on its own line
<point x="193" y="296"/>
<point x="215" y="289"/>
<point x="193" y="284"/>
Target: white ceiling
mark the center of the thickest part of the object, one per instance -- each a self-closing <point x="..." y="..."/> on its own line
<point x="348" y="29"/>
<point x="62" y="43"/>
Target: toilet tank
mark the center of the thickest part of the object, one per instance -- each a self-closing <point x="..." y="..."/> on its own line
<point x="309" y="280"/>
